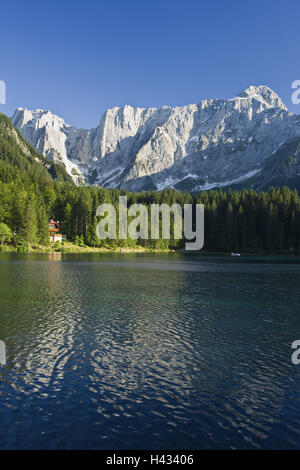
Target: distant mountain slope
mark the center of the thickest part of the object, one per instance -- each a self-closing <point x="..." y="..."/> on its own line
<point x="215" y="143"/>
<point x="280" y="169"/>
<point x="18" y="159"/>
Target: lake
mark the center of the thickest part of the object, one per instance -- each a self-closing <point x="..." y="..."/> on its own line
<point x="149" y="351"/>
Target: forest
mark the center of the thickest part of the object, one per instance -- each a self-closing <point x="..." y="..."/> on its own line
<point x="34" y="189"/>
<point x="245" y="221"/>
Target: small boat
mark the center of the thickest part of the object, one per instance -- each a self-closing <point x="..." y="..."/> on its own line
<point x="235" y="254"/>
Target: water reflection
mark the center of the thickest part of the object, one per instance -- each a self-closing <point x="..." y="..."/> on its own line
<point x="109" y="353"/>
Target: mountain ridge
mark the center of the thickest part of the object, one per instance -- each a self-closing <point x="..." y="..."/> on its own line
<point x="210" y="144"/>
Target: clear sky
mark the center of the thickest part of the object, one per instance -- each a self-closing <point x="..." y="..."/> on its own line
<point x="77" y="58"/>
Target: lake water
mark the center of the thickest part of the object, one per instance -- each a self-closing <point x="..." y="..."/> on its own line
<point x="149" y="352"/>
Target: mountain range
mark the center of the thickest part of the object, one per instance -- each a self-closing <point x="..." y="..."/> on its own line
<point x="250" y="140"/>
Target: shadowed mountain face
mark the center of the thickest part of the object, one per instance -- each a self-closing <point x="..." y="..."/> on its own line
<point x="280" y="169"/>
<point x="215" y="143"/>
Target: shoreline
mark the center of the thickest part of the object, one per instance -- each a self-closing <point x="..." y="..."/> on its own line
<point x="75" y="249"/>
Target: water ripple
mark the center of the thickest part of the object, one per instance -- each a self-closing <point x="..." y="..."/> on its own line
<point x="149" y="353"/>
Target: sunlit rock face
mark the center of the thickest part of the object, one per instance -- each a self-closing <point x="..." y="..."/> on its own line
<point x="200" y="146"/>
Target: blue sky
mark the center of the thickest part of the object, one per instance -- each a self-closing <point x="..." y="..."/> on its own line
<point x="77" y="58"/>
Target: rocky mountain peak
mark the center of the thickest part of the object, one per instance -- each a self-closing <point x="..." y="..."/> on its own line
<point x="263" y="94"/>
<point x="212" y="144"/>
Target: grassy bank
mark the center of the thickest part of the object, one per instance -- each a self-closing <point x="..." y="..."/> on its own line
<point x="69" y="247"/>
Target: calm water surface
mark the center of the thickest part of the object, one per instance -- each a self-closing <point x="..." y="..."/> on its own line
<point x="149" y="352"/>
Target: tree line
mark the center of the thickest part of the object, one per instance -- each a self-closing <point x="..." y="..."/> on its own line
<point x="245" y="221"/>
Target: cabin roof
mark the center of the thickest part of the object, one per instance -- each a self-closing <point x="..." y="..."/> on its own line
<point x="55" y="224"/>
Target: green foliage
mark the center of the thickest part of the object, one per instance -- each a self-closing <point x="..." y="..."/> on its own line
<point x="252" y="221"/>
<point x="5" y="233"/>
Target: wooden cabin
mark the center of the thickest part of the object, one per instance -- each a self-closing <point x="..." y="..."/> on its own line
<point x="54" y="234"/>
